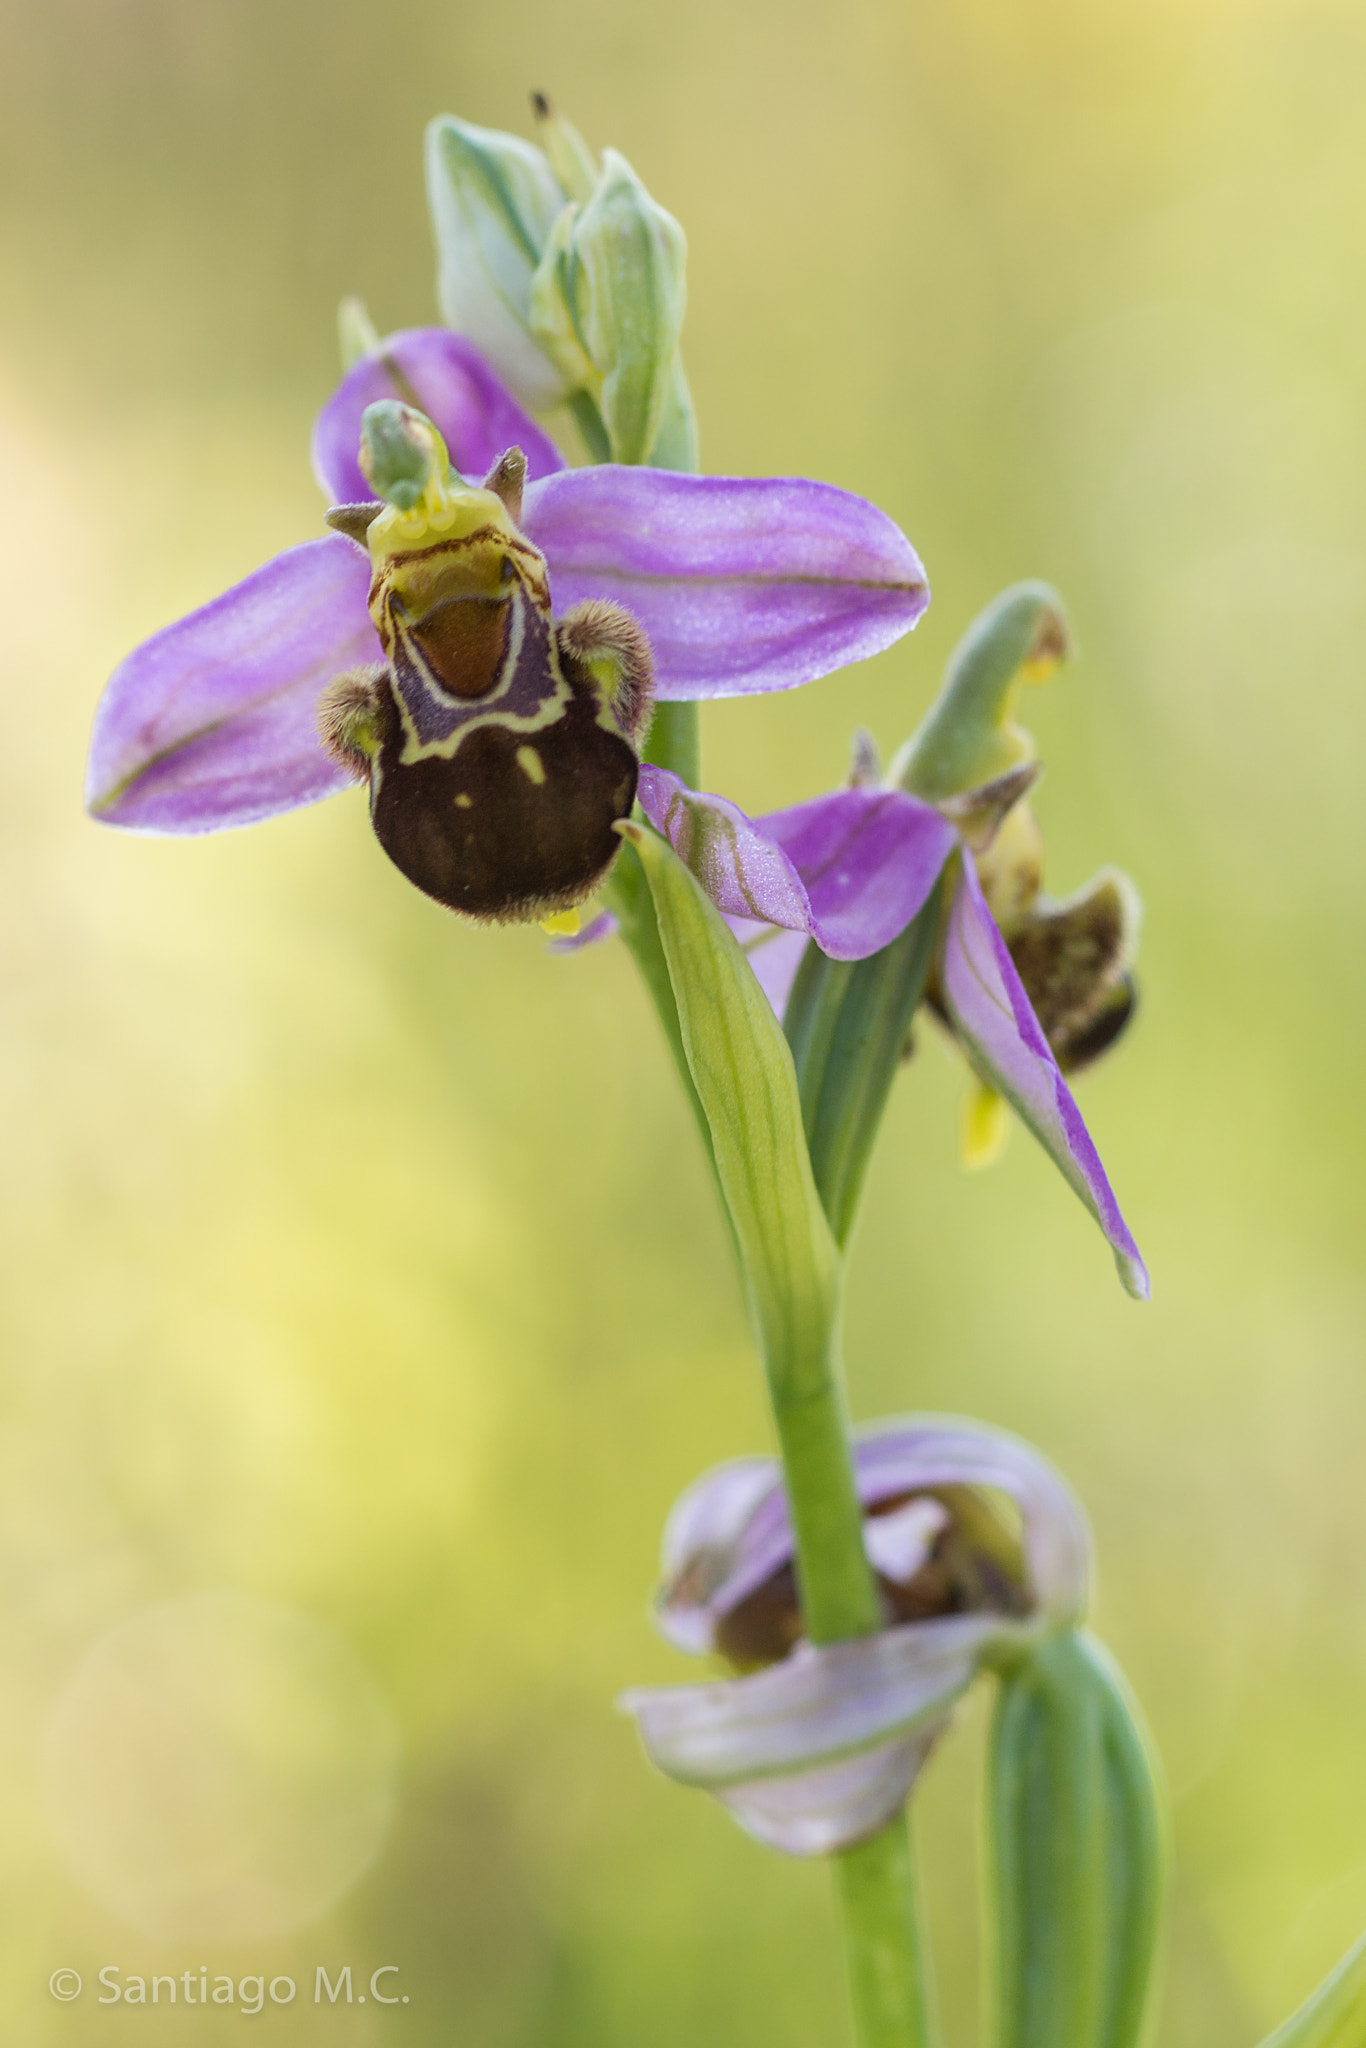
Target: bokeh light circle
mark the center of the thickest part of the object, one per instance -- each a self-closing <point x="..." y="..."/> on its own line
<point x="219" y="1766"/>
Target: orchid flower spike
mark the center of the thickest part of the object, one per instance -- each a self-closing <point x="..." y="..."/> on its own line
<point x="570" y="276"/>
<point x="980" y="1551"/>
<point x="419" y="646"/>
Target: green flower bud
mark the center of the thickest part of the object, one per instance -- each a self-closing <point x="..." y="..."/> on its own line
<point x="494" y="200"/>
<point x="1078" y="1852"/>
<point x="607" y="305"/>
<point x="968" y="735"/>
<point x="568" y="155"/>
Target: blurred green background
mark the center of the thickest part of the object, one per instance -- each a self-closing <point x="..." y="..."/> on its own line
<point x="363" y="1264"/>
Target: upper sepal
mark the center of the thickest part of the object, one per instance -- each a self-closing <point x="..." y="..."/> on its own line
<point x="439" y="374"/>
<point x="968" y="736"/>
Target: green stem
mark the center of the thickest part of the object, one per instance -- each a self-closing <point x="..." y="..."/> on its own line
<point x="875" y="1880"/>
<point x="838" y="1594"/>
<point x="888" y="1976"/>
<point x="797" y="1313"/>
<point x="676" y="741"/>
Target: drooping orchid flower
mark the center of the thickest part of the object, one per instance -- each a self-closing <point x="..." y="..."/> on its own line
<point x="499" y="736"/>
<point x="849" y="870"/>
<point x="815" y="1747"/>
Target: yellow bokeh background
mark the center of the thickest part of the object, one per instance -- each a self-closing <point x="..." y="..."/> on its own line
<point x="364" y="1265"/>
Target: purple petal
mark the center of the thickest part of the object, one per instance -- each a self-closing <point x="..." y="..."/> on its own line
<point x="730" y="1531"/>
<point x="211" y="722"/>
<point x="742" y="584"/>
<point x="992" y="1017"/>
<point x="869" y="859"/>
<point x="816" y="1812"/>
<point x="849" y="870"/>
<point x="444" y="376"/>
<point x="818" y="1704"/>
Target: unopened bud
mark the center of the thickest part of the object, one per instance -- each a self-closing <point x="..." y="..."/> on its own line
<point x="1077" y="1851"/>
<point x="568" y="155"/>
<point x="607" y="305"/>
<point x="493" y="200"/>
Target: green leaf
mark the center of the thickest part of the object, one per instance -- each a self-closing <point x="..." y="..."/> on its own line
<point x="1077" y="1852"/>
<point x="628" y="896"/>
<point x="1334" y="2016"/>
<point x="848" y="1023"/>
<point x="743" y="1074"/>
<point x="742" y="1070"/>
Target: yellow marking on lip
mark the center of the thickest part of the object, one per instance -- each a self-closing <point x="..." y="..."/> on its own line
<point x="562" y="924"/>
<point x="463" y="802"/>
<point x="531" y="765"/>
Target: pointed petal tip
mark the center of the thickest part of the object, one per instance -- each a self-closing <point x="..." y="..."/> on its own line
<point x="1133" y="1276"/>
<point x="1004" y="1042"/>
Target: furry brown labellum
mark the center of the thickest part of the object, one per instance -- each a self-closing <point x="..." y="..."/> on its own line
<point x="501" y="744"/>
<point x="1075" y="959"/>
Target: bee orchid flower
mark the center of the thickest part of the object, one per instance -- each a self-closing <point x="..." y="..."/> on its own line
<point x="816" y="1746"/>
<point x="849" y="870"/>
<point x="481" y="636"/>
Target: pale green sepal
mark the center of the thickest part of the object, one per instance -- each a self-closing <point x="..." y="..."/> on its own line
<point x="743" y="1074"/>
<point x="568" y="155"/>
<point x="968" y="736"/>
<point x="1077" y="1850"/>
<point x="494" y="200"/>
<point x="607" y="305"/>
<point x="1334" y="2016"/>
<point x="357" y="334"/>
